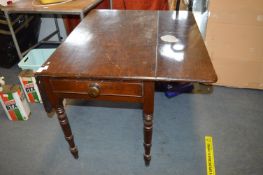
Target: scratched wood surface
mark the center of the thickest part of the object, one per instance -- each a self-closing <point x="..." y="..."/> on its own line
<point x="187" y="58"/>
<point x="128" y="45"/>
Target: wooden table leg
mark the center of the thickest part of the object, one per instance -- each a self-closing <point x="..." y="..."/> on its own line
<point x="46" y="103"/>
<point x="148" y="108"/>
<point x="64" y="123"/>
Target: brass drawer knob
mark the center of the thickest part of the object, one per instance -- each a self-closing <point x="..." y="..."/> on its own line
<point x="94" y="90"/>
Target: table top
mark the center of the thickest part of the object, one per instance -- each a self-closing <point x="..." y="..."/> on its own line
<point x="133" y="45"/>
<point x="34" y="6"/>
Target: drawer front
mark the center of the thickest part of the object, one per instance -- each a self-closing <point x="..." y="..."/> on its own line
<point x="97" y="88"/>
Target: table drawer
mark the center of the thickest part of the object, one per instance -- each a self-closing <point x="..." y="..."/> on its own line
<point x="97" y="88"/>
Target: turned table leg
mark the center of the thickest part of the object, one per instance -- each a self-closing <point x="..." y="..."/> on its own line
<point x="148" y="108"/>
<point x="63" y="121"/>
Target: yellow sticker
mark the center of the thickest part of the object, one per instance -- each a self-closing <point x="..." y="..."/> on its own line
<point x="210" y="162"/>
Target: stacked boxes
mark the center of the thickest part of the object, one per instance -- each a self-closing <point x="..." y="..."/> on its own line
<point x="14" y="98"/>
<point x="29" y="85"/>
<point x="14" y="102"/>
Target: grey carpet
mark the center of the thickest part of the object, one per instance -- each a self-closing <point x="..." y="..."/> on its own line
<point x="109" y="136"/>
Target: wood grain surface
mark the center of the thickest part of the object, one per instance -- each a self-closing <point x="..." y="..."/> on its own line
<point x="113" y="44"/>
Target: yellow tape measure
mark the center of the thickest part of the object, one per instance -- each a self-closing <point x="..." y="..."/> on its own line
<point x="210" y="162"/>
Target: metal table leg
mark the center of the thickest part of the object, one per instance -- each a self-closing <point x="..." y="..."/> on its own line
<point x="81" y="16"/>
<point x="110" y="4"/>
<point x="57" y="27"/>
<point x="13" y="35"/>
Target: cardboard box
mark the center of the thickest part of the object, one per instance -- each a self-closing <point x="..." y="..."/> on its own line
<point x="14" y="102"/>
<point x="234" y="40"/>
<point x="29" y="86"/>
